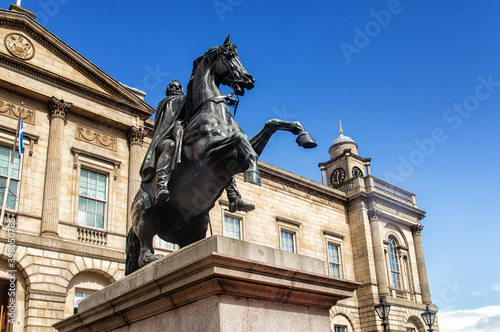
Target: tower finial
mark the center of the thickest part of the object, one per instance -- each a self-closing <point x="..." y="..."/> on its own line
<point x="341" y="131"/>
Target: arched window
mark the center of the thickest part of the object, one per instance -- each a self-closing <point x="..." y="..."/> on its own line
<point x="394" y="264"/>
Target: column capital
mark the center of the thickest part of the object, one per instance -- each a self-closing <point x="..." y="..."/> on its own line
<point x="136" y="135"/>
<point x="417" y="229"/>
<point x="58" y="108"/>
<point x="373" y="214"/>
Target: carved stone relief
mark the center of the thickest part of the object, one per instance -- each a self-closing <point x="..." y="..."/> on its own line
<point x="19" y="46"/>
<point x="96" y="138"/>
<point x="11" y="110"/>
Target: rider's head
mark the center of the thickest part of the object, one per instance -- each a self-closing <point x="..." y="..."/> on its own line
<point x="174" y="88"/>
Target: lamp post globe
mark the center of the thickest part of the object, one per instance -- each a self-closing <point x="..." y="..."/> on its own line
<point x="383" y="310"/>
<point x="429" y="317"/>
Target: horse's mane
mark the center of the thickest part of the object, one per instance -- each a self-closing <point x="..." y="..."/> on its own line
<point x="209" y="55"/>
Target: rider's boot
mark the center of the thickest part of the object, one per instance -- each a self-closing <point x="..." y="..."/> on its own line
<point x="235" y="201"/>
<point x="162" y="193"/>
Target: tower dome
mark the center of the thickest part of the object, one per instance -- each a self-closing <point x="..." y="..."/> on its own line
<point x="342" y="143"/>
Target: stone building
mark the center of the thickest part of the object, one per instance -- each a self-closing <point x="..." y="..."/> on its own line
<point x="85" y="135"/>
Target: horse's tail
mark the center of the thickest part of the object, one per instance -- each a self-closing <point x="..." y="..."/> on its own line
<point x="132" y="250"/>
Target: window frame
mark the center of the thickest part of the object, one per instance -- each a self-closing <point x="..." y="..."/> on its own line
<point x="237" y="215"/>
<point x="294" y="239"/>
<point x="103" y="165"/>
<point x="106" y="201"/>
<point x="84" y="290"/>
<point x="18" y="180"/>
<point x="343" y="327"/>
<point x="289" y="226"/>
<point x="397" y="259"/>
<point x="225" y="227"/>
<point x="336" y="240"/>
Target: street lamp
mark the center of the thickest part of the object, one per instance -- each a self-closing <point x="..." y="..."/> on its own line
<point x="429" y="316"/>
<point x="382" y="310"/>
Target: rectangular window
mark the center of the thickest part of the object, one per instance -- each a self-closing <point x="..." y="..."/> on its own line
<point x="160" y="243"/>
<point x="15" y="175"/>
<point x="232" y="227"/>
<point x="92" y="200"/>
<point x="334" y="260"/>
<point x="410" y="329"/>
<point x="287" y="241"/>
<point x="81" y="294"/>
<point x="340" y="328"/>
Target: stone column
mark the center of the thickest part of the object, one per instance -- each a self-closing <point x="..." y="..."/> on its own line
<point x="52" y="191"/>
<point x="378" y="253"/>
<point x="135" y="139"/>
<point x="422" y="271"/>
<point x="348" y="165"/>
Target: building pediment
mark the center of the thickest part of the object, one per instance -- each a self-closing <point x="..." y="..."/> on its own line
<point x="28" y="48"/>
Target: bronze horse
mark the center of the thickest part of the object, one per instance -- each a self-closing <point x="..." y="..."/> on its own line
<point x="214" y="150"/>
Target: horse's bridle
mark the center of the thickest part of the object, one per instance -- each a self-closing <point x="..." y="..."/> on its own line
<point x="230" y="101"/>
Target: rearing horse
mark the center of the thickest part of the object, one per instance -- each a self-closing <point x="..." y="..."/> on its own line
<point x="214" y="150"/>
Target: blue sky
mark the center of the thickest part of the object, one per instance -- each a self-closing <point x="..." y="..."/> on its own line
<point x="416" y="84"/>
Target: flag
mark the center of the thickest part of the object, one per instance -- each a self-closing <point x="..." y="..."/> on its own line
<point x="21" y="133"/>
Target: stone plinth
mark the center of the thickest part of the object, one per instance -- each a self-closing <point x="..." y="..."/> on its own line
<point x="218" y="284"/>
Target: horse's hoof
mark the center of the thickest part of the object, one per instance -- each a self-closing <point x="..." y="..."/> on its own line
<point x="306" y="141"/>
<point x="150" y="258"/>
<point x="252" y="177"/>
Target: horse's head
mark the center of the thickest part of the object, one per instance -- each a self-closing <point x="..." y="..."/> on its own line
<point x="226" y="67"/>
<point x="231" y="71"/>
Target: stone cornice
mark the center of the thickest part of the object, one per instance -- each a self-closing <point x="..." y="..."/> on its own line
<point x="342" y="156"/>
<point x="300" y="183"/>
<point x="119" y="96"/>
<point x="64" y="246"/>
<point x="381" y="199"/>
<point x="63" y="82"/>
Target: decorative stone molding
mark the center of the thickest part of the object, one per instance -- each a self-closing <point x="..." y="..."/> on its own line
<point x="417" y="229"/>
<point x="115" y="162"/>
<point x="9" y="218"/>
<point x="58" y="108"/>
<point x="96" y="138"/>
<point x="136" y="135"/>
<point x="373" y="214"/>
<point x="19" y="46"/>
<point x="11" y="110"/>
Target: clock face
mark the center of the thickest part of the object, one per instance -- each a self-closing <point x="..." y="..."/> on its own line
<point x="356" y="172"/>
<point x="338" y="176"/>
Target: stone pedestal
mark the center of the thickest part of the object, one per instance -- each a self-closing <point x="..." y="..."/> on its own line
<point x="217" y="284"/>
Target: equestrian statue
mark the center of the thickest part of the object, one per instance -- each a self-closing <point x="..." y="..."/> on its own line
<point x="196" y="150"/>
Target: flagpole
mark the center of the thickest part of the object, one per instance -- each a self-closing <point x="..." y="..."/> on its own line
<point x="9" y="172"/>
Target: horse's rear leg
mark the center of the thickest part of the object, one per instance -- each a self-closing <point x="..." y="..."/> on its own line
<point x="146" y="230"/>
<point x="195" y="230"/>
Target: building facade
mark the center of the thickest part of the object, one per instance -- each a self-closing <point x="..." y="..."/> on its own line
<point x="85" y="136"/>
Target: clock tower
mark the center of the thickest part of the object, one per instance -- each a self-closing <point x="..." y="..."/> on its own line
<point x="344" y="163"/>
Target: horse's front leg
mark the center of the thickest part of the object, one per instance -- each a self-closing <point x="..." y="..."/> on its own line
<point x="219" y="147"/>
<point x="260" y="140"/>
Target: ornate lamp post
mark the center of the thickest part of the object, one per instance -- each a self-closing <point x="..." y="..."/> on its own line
<point x="382" y="310"/>
<point x="429" y="317"/>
